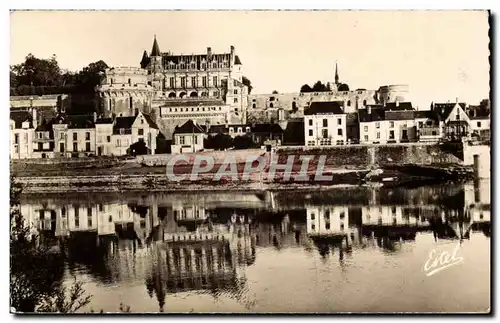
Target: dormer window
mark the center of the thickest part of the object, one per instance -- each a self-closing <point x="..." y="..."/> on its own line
<point x="214" y="65"/>
<point x="193" y="65"/>
<point x="203" y="66"/>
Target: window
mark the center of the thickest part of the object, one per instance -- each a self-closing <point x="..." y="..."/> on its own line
<point x="193" y="65"/>
<point x="195" y="138"/>
<point x="87" y="146"/>
<point x="75" y="136"/>
<point x="215" y="81"/>
<point x="140" y="132"/>
<point x="310" y="132"/>
<point x="204" y="81"/>
<point x="310" y="122"/>
<point x="61" y="136"/>
<point x="75" y="146"/>
<point x="391" y="124"/>
<point x="378" y="135"/>
<point x="348" y="103"/>
<point x="118" y="142"/>
<point x="193" y="81"/>
<point x="339" y="132"/>
<point x="235" y="100"/>
<point x="313" y="216"/>
<point x="342" y="215"/>
<point x="101" y="208"/>
<point x="63" y="211"/>
<point x="327" y="226"/>
<point x="377" y="125"/>
<point x="366" y="128"/>
<point x="214" y="65"/>
<point x="339" y="121"/>
<point x="216" y="93"/>
<point x="247" y="129"/>
<point x="203" y="65"/>
<point x="87" y="136"/>
<point x="231" y="129"/>
<point x="89" y="223"/>
<point x="324" y="133"/>
<point x="391" y="134"/>
<point x="236" y="91"/>
<point x="172" y="82"/>
<point x="183" y="81"/>
<point x="240" y="130"/>
<point x="420" y="124"/>
<point x="479" y="124"/>
<point x="313" y="227"/>
<point x="181" y="140"/>
<point x="16" y="138"/>
<point x="364" y="102"/>
<point x="366" y="137"/>
<point x="129" y="81"/>
<point x="325" y="122"/>
<point x="458" y="115"/>
<point x="108" y="138"/>
<point x="61" y="147"/>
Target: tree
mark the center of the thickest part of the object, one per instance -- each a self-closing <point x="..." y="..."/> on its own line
<point x="138" y="148"/>
<point x="219" y="142"/>
<point x="38" y="72"/>
<point x="319" y="87"/>
<point x="36" y="272"/>
<point x="343" y="87"/>
<point x="243" y="142"/>
<point x="305" y="89"/>
<point x="248" y="83"/>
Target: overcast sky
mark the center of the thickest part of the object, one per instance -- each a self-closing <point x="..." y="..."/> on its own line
<point x="440" y="55"/>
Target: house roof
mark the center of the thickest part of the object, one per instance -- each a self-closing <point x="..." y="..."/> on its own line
<point x="220" y="128"/>
<point x="189" y="127"/>
<point x="427" y="114"/>
<point x="444" y="109"/>
<point x="197" y="59"/>
<point x="237" y="60"/>
<point x="150" y="121"/>
<point x="266" y="128"/>
<point x="21" y="116"/>
<point x="193" y="103"/>
<point x="45" y="126"/>
<point x="80" y="121"/>
<point x="155" y="51"/>
<point x="399" y="115"/>
<point x="325" y="107"/>
<point x="375" y="115"/>
<point x="124" y="122"/>
<point x="478" y="112"/>
<point x="351" y="118"/>
<point x="104" y="121"/>
<point x="393" y="106"/>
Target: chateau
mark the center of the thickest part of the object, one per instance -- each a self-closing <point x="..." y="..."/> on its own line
<point x="204" y="87"/>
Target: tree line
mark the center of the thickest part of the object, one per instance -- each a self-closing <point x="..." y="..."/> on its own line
<point x="320" y="87"/>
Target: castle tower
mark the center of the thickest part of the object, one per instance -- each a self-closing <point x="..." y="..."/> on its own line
<point x="155" y="66"/>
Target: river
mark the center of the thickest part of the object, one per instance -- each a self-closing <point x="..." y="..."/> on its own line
<point x="347" y="250"/>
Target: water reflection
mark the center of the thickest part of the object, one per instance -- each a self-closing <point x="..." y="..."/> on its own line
<point x="205" y="243"/>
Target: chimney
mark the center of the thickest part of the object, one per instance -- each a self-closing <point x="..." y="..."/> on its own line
<point x="209" y="51"/>
<point x="35" y="118"/>
<point x="369" y="110"/>
<point x="456" y="99"/>
<point x="95" y="116"/>
<point x="232" y="50"/>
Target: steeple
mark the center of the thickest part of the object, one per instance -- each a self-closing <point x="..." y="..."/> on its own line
<point x="156" y="49"/>
<point x="144" y="60"/>
<point x="336" y="74"/>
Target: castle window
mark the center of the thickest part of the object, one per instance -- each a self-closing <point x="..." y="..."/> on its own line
<point x="364" y="102"/>
<point x="182" y="66"/>
<point x="215" y="81"/>
<point x="348" y="103"/>
<point x="183" y="81"/>
<point x="235" y="100"/>
<point x="214" y="65"/>
<point x="235" y="91"/>
<point x="271" y="105"/>
<point x="253" y="105"/>
<point x="204" y="81"/>
<point x="235" y="83"/>
<point x="193" y="65"/>
<point x="203" y="66"/>
<point x="171" y="80"/>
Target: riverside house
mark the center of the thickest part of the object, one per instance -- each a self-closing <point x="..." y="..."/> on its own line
<point x="188" y="138"/>
<point x="22" y="132"/>
<point x="325" y="124"/>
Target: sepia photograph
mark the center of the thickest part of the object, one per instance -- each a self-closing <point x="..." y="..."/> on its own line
<point x="250" y="162"/>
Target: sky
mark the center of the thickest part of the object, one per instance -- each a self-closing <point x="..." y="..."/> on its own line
<point x="441" y="55"/>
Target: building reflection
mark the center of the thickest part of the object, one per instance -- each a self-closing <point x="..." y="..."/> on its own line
<point x="198" y="244"/>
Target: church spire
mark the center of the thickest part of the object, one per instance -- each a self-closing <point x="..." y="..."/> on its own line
<point x="156" y="49"/>
<point x="144" y="60"/>
<point x="336" y="74"/>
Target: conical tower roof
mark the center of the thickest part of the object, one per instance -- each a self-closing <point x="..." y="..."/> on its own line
<point x="155" y="51"/>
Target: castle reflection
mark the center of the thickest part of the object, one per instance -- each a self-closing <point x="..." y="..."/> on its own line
<point x="204" y="243"/>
